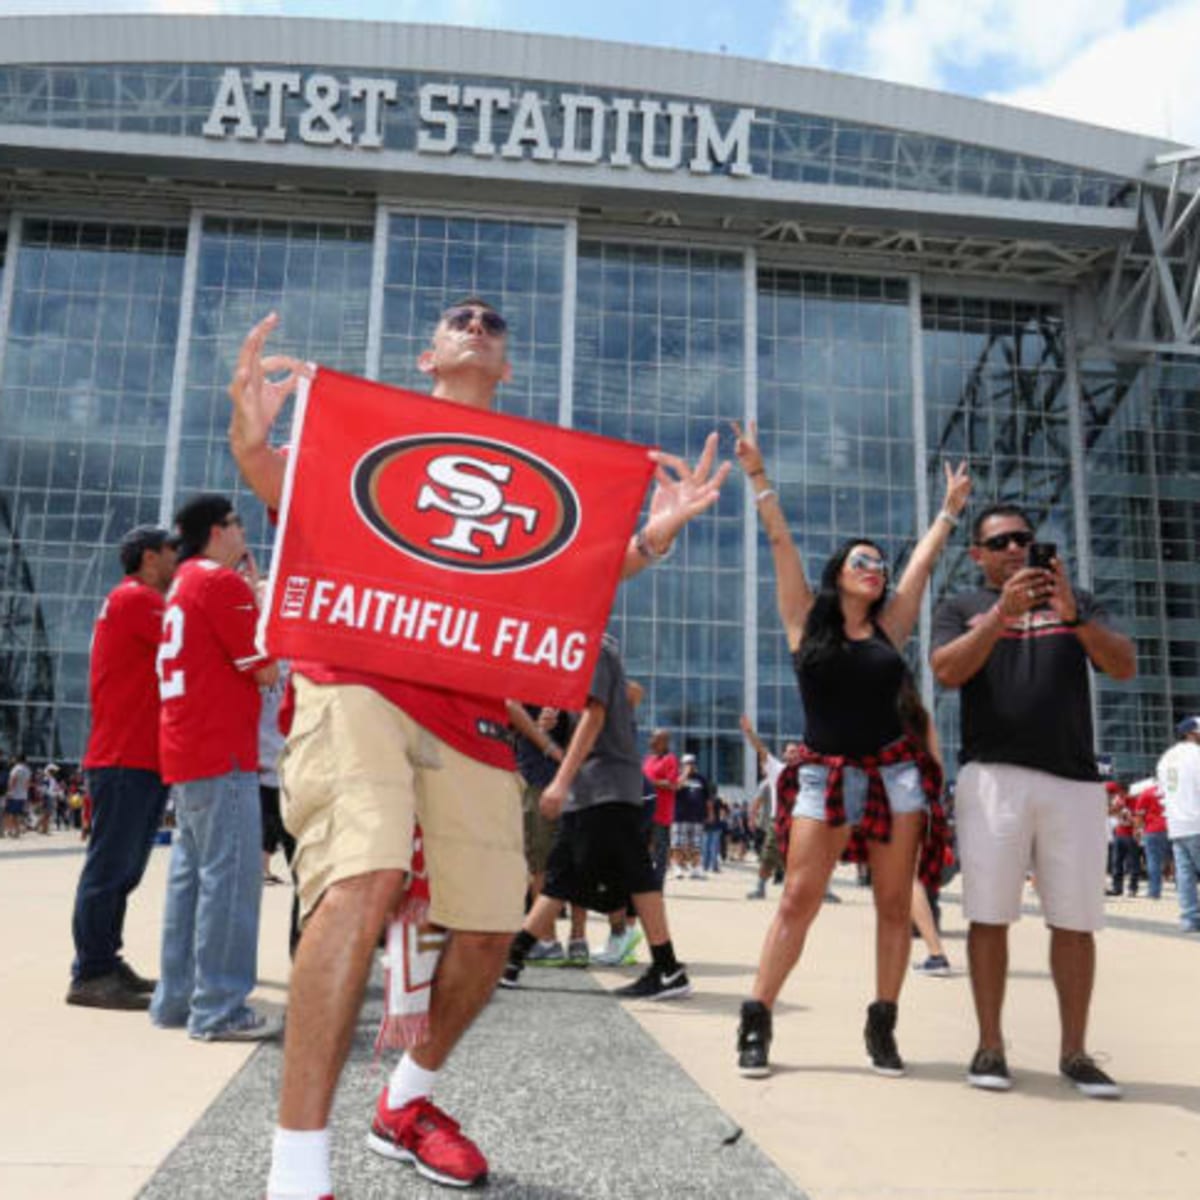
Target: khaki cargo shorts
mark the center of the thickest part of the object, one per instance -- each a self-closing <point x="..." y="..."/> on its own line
<point x="356" y="770"/>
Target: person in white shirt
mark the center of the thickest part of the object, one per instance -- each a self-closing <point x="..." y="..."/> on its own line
<point x="1179" y="781"/>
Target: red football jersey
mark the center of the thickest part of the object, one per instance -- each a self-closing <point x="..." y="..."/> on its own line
<point x="123" y="685"/>
<point x="206" y="661"/>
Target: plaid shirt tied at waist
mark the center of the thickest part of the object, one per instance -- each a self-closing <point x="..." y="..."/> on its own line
<point x="876" y="822"/>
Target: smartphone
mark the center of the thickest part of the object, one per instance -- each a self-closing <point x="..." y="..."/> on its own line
<point x="1041" y="554"/>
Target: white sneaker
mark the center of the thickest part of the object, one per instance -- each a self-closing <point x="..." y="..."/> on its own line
<point x="697" y="874"/>
<point x="619" y="949"/>
<point x="680" y="873"/>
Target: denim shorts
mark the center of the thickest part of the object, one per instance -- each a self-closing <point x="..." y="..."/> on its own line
<point x="901" y="781"/>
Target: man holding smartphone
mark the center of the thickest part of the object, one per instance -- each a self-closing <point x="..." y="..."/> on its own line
<point x="1028" y="791"/>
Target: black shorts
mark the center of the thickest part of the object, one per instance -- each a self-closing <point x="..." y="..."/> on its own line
<point x="599" y="858"/>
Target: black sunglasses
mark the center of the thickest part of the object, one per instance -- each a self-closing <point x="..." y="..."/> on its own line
<point x="1002" y="541"/>
<point x="459" y="319"/>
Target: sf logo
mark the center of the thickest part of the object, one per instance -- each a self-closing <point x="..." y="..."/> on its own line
<point x="468" y="490"/>
<point x="466" y="503"/>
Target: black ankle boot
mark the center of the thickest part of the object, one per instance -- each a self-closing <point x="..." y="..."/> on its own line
<point x="754" y="1040"/>
<point x="880" y="1036"/>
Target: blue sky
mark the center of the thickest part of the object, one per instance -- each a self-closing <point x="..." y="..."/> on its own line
<point x="1124" y="63"/>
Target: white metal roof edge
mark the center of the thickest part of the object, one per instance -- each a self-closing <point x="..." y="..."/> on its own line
<point x="575" y="62"/>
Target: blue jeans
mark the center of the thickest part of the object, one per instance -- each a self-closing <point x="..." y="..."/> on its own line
<point x="127" y="807"/>
<point x="214" y="893"/>
<point x="1157" y="847"/>
<point x="1125" y="862"/>
<point x="1187" y="868"/>
<point x="712" y="850"/>
<point x="660" y="850"/>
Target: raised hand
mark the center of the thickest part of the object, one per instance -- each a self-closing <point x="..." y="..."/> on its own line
<point x="257" y="398"/>
<point x="682" y="492"/>
<point x="746" y="449"/>
<point x="958" y="488"/>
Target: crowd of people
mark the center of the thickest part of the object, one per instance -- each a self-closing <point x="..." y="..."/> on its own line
<point x="474" y="823"/>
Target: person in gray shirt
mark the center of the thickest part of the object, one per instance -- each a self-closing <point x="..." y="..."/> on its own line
<point x="599" y="858"/>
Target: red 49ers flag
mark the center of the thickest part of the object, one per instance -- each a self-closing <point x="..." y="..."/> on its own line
<point x="426" y="540"/>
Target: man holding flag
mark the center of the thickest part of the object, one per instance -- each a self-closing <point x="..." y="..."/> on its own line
<point x="365" y="753"/>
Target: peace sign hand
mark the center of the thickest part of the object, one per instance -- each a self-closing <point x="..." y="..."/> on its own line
<point x="958" y="488"/>
<point x="746" y="449"/>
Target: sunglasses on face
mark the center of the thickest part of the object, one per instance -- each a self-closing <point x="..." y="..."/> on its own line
<point x="861" y="561"/>
<point x="1002" y="541"/>
<point x="458" y="319"/>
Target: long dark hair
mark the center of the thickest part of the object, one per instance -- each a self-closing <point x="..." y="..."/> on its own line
<point x="825" y="627"/>
<point x="914" y="716"/>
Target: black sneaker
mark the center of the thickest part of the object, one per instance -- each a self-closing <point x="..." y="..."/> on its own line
<point x="107" y="991"/>
<point x="139" y="983"/>
<point x="754" y="1040"/>
<point x="989" y="1071"/>
<point x="512" y="975"/>
<point x="655" y="985"/>
<point x="1082" y="1071"/>
<point x="880" y="1035"/>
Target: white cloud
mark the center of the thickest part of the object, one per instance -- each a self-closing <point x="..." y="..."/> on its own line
<point x="1144" y="79"/>
<point x="1075" y="58"/>
<point x="923" y="41"/>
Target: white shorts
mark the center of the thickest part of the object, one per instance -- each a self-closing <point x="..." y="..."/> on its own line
<point x="1012" y="820"/>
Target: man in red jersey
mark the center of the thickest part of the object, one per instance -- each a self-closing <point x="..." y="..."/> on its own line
<point x="209" y="673"/>
<point x="365" y="755"/>
<point x="661" y="767"/>
<point x="122" y="765"/>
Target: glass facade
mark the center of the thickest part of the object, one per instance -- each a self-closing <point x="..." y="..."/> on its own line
<point x="995" y="396"/>
<point x="88" y="357"/>
<point x="317" y="277"/>
<point x="1143" y="471"/>
<point x="98" y="367"/>
<point x="433" y="260"/>
<point x="835" y="419"/>
<point x="660" y="360"/>
<point x="786" y="146"/>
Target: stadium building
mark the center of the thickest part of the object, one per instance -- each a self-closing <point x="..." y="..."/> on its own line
<point x="882" y="276"/>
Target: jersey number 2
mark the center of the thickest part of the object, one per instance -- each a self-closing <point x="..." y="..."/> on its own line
<point x="170" y="683"/>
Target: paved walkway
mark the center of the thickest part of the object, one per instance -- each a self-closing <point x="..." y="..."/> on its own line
<point x="574" y="1095"/>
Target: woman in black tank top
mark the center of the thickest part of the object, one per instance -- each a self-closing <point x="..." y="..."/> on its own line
<point x="846" y="643"/>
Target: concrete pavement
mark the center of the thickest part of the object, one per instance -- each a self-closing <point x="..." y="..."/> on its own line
<point x="573" y="1094"/>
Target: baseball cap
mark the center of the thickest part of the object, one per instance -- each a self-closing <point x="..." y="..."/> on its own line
<point x="688" y="758"/>
<point x="1187" y="725"/>
<point x="140" y="539"/>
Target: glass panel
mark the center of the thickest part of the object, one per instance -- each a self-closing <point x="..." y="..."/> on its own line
<point x="994" y="375"/>
<point x="317" y="277"/>
<point x="835" y="415"/>
<point x="1143" y="473"/>
<point x="85" y="391"/>
<point x="659" y="360"/>
<point x="432" y="261"/>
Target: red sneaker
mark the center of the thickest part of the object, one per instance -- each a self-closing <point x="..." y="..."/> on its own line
<point x="421" y="1134"/>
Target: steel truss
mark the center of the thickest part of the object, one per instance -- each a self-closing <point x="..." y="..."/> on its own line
<point x="1147" y="301"/>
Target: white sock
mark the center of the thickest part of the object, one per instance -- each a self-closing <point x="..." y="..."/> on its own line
<point x="299" y="1165"/>
<point x="409" y="1081"/>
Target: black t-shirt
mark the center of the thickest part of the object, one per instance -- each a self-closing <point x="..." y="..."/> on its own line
<point x="691" y="801"/>
<point x="1030" y="703"/>
<point x="537" y="769"/>
<point x="850" y="700"/>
